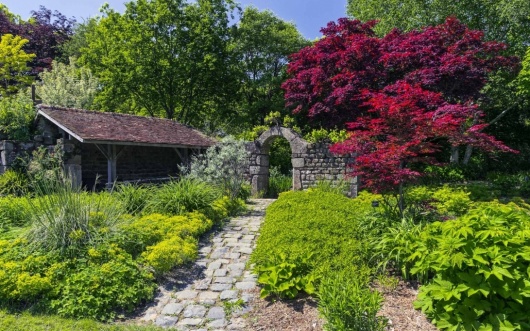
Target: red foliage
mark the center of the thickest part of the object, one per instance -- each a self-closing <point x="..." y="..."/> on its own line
<point x="400" y="95"/>
<point x="46" y="31"/>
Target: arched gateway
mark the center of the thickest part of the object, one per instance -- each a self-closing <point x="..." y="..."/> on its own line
<point x="311" y="162"/>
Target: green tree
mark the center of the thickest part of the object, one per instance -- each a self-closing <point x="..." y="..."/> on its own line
<point x="13" y="64"/>
<point x="501" y="20"/>
<point x="166" y="58"/>
<point x="263" y="43"/>
<point x="16" y="116"/>
<point x="68" y="85"/>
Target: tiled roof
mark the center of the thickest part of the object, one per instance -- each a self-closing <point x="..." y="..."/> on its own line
<point x="101" y="127"/>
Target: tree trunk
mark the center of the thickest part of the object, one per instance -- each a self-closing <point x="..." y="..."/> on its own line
<point x="455" y="155"/>
<point x="467" y="155"/>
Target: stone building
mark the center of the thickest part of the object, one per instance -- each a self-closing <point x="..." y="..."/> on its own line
<point x="119" y="147"/>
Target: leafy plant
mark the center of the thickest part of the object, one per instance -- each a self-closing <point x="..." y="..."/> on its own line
<point x="286" y="277"/>
<point x="107" y="283"/>
<point x="347" y="304"/>
<point x="14" y="211"/>
<point x="481" y="263"/>
<point x="233" y="306"/>
<point x="223" y="165"/>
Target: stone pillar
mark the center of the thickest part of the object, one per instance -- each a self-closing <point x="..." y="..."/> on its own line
<point x="72" y="162"/>
<point x="259" y="175"/>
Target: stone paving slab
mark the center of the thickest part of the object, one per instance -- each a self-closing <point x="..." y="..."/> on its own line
<point x="200" y="301"/>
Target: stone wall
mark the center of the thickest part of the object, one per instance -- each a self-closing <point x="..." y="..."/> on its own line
<point x="311" y="162"/>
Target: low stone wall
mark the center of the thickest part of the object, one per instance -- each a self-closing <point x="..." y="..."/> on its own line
<point x="311" y="162"/>
<point x="11" y="150"/>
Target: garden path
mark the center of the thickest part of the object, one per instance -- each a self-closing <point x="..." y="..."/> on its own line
<point x="213" y="293"/>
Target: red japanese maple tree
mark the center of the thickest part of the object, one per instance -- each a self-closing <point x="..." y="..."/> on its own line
<point x="400" y="96"/>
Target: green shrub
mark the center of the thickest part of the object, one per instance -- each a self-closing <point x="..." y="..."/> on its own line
<point x="170" y="253"/>
<point x="44" y="169"/>
<point x="286" y="277"/>
<point x="182" y="196"/>
<point x="278" y="182"/>
<point x="109" y="283"/>
<point x="301" y="222"/>
<point x="225" y="207"/>
<point x="14" y="212"/>
<point x="138" y="234"/>
<point x="224" y="165"/>
<point x="13" y="183"/>
<point x="341" y="187"/>
<point x="67" y="219"/>
<point x="481" y="263"/>
<point x="347" y="304"/>
<point x="16" y="116"/>
<point x="280" y="156"/>
<point x="134" y="197"/>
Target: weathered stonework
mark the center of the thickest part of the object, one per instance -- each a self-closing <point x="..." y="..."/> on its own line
<point x="311" y="162"/>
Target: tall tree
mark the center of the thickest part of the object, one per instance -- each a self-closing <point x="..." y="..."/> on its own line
<point x="170" y="57"/>
<point x="263" y="43"/>
<point x="13" y="64"/>
<point x="402" y="95"/>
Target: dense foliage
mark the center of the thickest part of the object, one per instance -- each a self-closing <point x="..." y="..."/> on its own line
<point x="78" y="254"/>
<point x="401" y="95"/>
<point x="16" y="117"/>
<point x="68" y="85"/>
<point x="166" y="58"/>
<point x="223" y="165"/>
<point x="263" y="43"/>
<point x="506" y="21"/>
<point x="478" y="264"/>
<point x="46" y="32"/>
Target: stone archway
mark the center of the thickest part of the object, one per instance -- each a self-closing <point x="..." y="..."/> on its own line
<point x="259" y="159"/>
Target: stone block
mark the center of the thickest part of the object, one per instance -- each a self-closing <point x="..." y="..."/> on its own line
<point x="298" y="162"/>
<point x="259" y="170"/>
<point x="262" y="160"/>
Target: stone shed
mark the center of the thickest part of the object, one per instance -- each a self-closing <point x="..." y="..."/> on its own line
<point x="119" y="147"/>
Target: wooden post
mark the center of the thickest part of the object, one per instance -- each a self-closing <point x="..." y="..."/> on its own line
<point x="111" y="166"/>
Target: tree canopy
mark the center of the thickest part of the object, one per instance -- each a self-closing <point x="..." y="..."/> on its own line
<point x="45" y="32"/>
<point x="504" y="20"/>
<point x="13" y="64"/>
<point x="68" y="85"/>
<point x="401" y="94"/>
<point x="167" y="57"/>
<point x="263" y="43"/>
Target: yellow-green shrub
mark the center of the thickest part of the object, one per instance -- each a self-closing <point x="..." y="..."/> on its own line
<point x="106" y="282"/>
<point x="170" y="253"/>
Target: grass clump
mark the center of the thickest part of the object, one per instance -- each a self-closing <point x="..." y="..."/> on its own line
<point x="65" y="219"/>
<point x="182" y="196"/>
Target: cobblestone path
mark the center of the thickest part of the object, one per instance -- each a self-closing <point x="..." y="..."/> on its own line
<point x="212" y="294"/>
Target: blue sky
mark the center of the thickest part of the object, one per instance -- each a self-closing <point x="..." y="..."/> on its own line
<point x="308" y="15"/>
